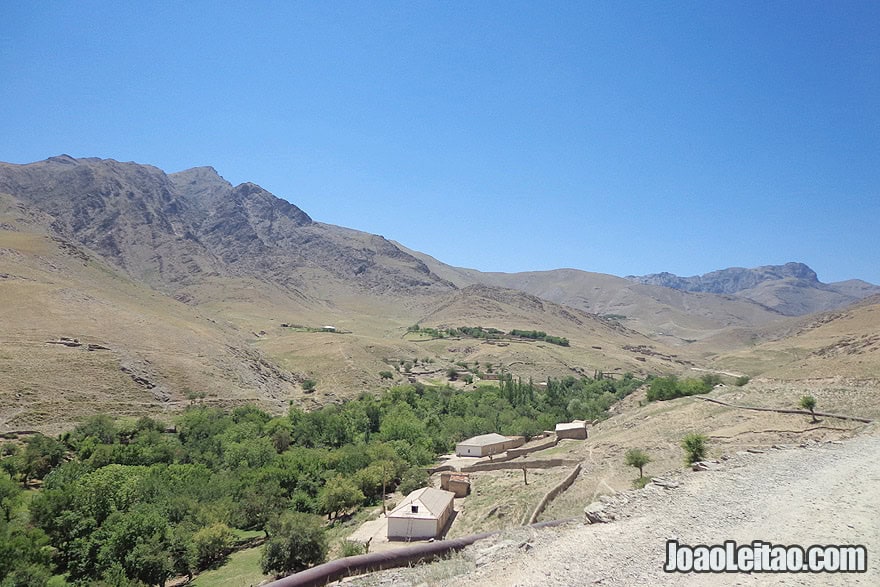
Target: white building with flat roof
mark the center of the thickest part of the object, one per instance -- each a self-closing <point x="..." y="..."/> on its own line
<point x="487" y="444"/>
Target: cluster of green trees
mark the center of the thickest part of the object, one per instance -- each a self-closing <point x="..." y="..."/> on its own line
<point x="488" y="333"/>
<point x="469" y="331"/>
<point x="540" y="335"/>
<point x="671" y="387"/>
<point x="129" y="503"/>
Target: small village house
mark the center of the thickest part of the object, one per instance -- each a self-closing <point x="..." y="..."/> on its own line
<point x="576" y="430"/>
<point x="487" y="444"/>
<point x="422" y="515"/>
<point x="457" y="483"/>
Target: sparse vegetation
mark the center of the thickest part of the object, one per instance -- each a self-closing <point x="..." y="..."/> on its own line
<point x="386" y="374"/>
<point x="694" y="446"/>
<point x="641" y="482"/>
<point x="309" y="385"/>
<point x="741" y="380"/>
<point x="636" y="457"/>
<point x="349" y="548"/>
<point x="808" y="402"/>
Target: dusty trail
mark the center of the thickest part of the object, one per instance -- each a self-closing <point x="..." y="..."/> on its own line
<point x="823" y="494"/>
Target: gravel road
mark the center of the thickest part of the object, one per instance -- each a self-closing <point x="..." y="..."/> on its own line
<point x="825" y="493"/>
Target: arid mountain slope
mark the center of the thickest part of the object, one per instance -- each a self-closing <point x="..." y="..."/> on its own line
<point x="842" y="342"/>
<point x="596" y="343"/>
<point x="79" y="336"/>
<point x="792" y="289"/>
<point x="172" y="230"/>
<point x="196" y="285"/>
<point x="674" y="316"/>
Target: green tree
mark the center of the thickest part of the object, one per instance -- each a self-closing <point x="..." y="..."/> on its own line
<point x="338" y="495"/>
<point x="371" y="478"/>
<point x="27" y="576"/>
<point x="636" y="457"/>
<point x="256" y="502"/>
<point x="21" y="548"/>
<point x="297" y="542"/>
<point x="414" y="478"/>
<point x="309" y="385"/>
<point x="41" y="455"/>
<point x="101" y="427"/>
<point x="10" y="496"/>
<point x="212" y="544"/>
<point x="711" y="380"/>
<point x="280" y="431"/>
<point x="808" y="402"/>
<point x="694" y="446"/>
<point x="138" y="539"/>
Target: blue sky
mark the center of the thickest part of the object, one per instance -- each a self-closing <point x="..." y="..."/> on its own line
<point x="623" y="138"/>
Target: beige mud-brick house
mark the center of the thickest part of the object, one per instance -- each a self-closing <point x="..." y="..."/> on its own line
<point x="576" y="429"/>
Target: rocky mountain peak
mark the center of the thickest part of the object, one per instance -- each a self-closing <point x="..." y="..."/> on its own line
<point x="172" y="230"/>
<point x="731" y="280"/>
<point x="793" y="289"/>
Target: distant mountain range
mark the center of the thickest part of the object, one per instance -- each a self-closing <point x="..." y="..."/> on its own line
<point x="182" y="284"/>
<point x="792" y="289"/>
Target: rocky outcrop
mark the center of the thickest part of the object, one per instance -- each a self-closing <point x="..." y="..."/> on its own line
<point x="173" y="231"/>
<point x="792" y="289"/>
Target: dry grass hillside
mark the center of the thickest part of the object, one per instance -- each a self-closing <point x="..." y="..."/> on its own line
<point x="658" y="428"/>
<point x="736" y="438"/>
<point x="195" y="286"/>
<point x="673" y="316"/>
<point x="842" y="342"/>
<point x="79" y="337"/>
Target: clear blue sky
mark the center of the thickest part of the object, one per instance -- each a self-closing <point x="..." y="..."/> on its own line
<point x="623" y="138"/>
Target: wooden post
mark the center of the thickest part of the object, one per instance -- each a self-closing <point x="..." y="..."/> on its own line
<point x="525" y="476"/>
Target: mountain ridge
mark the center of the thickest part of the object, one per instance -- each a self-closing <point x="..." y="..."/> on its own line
<point x="793" y="289"/>
<point x="243" y="282"/>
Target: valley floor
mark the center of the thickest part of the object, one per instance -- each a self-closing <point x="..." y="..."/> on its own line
<point x="826" y="493"/>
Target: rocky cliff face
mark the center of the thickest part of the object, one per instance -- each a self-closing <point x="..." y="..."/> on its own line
<point x="171" y="231"/>
<point x="732" y="280"/>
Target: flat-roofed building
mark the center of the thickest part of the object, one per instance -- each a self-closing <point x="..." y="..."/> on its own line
<point x="576" y="429"/>
<point x="457" y="483"/>
<point x="487" y="444"/>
